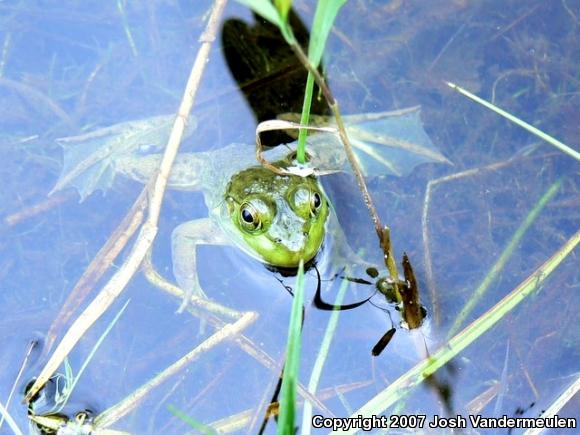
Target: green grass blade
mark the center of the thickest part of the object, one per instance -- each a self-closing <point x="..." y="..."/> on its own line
<point x="326" y="12"/>
<point x="286" y="421"/>
<point x="90" y="356"/>
<point x="390" y="395"/>
<point x="321" y="358"/>
<point x="305" y="119"/>
<point x="267" y="10"/>
<point x="199" y="427"/>
<point x="498" y="266"/>
<point x="552" y="141"/>
<point x="283" y="7"/>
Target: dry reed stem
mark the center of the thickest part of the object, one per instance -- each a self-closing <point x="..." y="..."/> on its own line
<point x="117" y="283"/>
<point x="206" y="309"/>
<point x="119" y="410"/>
<point x="99" y="265"/>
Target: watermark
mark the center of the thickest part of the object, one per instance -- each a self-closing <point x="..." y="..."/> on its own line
<point x="421" y="421"/>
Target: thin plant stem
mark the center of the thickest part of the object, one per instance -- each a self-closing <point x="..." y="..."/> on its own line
<point x="564" y="398"/>
<point x="148" y="231"/>
<point x="496" y="269"/>
<point x="98" y="266"/>
<point x="9" y="420"/>
<point x="91" y="355"/>
<point x="16" y="382"/>
<point x="382" y="231"/>
<point x="551" y="140"/>
<point x="414" y="377"/>
<point x="304" y="119"/>
<point x="114" y="413"/>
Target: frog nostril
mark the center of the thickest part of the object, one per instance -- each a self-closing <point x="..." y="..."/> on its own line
<point x="305" y="234"/>
<point x="278" y="240"/>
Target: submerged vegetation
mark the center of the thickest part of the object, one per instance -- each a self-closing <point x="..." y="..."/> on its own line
<point x="492" y="237"/>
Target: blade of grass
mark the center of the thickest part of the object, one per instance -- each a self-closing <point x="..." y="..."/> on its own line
<point x="90" y="356"/>
<point x="321" y="358"/>
<point x="552" y="141"/>
<point x="558" y="404"/>
<point x="414" y="377"/>
<point x="33" y="344"/>
<point x="199" y="427"/>
<point x="496" y="269"/>
<point x="326" y="11"/>
<point x="305" y="119"/>
<point x="287" y="416"/>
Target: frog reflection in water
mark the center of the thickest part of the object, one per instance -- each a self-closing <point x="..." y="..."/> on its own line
<point x="277" y="219"/>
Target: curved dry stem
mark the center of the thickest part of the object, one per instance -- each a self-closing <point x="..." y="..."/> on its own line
<point x="99" y="265"/>
<point x="278" y="124"/>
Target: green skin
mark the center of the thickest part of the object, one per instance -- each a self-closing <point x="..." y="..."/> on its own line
<point x="277" y="219"/>
<point x="280" y="218"/>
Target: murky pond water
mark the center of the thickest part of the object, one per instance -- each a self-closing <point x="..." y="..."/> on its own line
<point x="474" y="230"/>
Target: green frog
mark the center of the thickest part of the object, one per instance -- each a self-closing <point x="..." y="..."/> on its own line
<point x="279" y="219"/>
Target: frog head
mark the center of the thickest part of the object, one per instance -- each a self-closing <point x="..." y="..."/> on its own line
<point x="280" y="218"/>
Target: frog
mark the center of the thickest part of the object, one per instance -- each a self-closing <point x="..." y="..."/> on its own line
<point x="280" y="218"/>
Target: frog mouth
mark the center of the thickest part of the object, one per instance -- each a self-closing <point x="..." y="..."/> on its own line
<point x="287" y="271"/>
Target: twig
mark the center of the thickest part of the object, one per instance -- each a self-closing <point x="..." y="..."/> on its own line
<point x="382" y="231"/>
<point x="117" y="411"/>
<point x="99" y="265"/>
<point x="149" y="229"/>
<point x="29" y="212"/>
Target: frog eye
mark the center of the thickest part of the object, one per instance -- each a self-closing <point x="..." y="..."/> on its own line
<point x="307" y="202"/>
<point x="249" y="218"/>
<point x="315" y="201"/>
